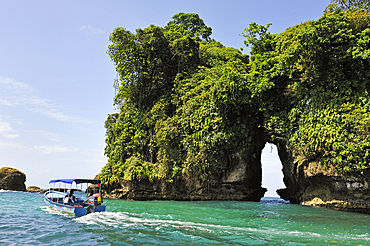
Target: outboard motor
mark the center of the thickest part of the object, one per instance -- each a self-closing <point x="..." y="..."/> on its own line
<point x="93" y="202"/>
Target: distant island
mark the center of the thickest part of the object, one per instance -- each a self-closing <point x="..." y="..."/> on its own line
<point x="193" y="115"/>
<point x="13" y="179"/>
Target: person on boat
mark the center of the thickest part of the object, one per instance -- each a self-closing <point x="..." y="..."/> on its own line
<point x="73" y="198"/>
<point x="69" y="198"/>
<point x="98" y="197"/>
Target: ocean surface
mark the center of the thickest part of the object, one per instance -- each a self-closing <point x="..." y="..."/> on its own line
<point x="26" y="220"/>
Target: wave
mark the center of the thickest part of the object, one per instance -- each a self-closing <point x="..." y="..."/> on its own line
<point x="126" y="220"/>
<point x="6" y="191"/>
<point x="54" y="211"/>
<point x="273" y="200"/>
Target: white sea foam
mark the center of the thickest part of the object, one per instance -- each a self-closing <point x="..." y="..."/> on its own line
<point x="4" y="191"/>
<point x="189" y="223"/>
<point x="162" y="224"/>
<point x="54" y="211"/>
<point x="123" y="220"/>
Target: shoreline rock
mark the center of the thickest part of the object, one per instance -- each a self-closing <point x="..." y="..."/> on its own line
<point x="240" y="178"/>
<point x="34" y="189"/>
<point x="12" y="179"/>
<point x="310" y="184"/>
<point x="339" y="205"/>
<point x="161" y="190"/>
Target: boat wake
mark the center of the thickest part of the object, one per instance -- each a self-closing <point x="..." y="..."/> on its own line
<point x="127" y="220"/>
<point x="131" y="221"/>
<point x="54" y="211"/>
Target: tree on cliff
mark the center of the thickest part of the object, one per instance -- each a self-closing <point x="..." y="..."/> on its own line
<point x="182" y="102"/>
<point x="188" y="104"/>
<point x="337" y="5"/>
<point x="321" y="67"/>
<point x="189" y="25"/>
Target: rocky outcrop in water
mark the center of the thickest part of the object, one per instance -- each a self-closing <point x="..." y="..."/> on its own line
<point x="239" y="179"/>
<point x="34" y="189"/>
<point x="202" y="134"/>
<point x="12" y="179"/>
<point x="313" y="185"/>
<point x="306" y="183"/>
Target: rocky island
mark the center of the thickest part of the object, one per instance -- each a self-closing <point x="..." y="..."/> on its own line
<point x="193" y="115"/>
<point x="12" y="179"/>
<point x="35" y="189"/>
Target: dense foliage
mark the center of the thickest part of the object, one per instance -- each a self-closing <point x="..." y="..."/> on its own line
<point x="333" y="85"/>
<point x="186" y="101"/>
<point x="338" y="5"/>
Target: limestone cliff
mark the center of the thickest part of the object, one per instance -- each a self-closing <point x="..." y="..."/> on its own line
<point x="240" y="179"/>
<point x="311" y="184"/>
<point x="12" y="179"/>
<point x="194" y="132"/>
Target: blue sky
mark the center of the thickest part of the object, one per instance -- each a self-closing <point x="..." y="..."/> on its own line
<point x="56" y="79"/>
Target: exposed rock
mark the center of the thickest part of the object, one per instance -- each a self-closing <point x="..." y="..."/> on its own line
<point x="311" y="184"/>
<point x="34" y="189"/>
<point x="12" y="179"/>
<point x="239" y="178"/>
<point x="161" y="190"/>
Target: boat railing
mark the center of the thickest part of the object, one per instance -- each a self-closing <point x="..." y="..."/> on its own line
<point x="55" y="196"/>
<point x="56" y="192"/>
<point x="58" y="197"/>
<point x="83" y="203"/>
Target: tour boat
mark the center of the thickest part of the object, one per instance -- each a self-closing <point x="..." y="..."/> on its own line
<point x="66" y="201"/>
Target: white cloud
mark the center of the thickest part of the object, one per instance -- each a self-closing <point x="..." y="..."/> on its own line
<point x="47" y="149"/>
<point x="7" y="131"/>
<point x="91" y="30"/>
<point x="21" y="94"/>
<point x="11" y="145"/>
<point x="49" y="135"/>
<point x="57" y="115"/>
<point x="11" y="83"/>
<point x="37" y="101"/>
<point x="6" y="103"/>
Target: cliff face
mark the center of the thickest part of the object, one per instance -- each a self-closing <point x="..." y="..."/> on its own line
<point x="239" y="179"/>
<point x="196" y="124"/>
<point x="12" y="179"/>
<point x="310" y="184"/>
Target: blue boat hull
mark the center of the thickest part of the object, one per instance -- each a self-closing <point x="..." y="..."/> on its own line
<point x="76" y="209"/>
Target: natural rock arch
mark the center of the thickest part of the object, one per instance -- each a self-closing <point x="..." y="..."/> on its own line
<point x="240" y="178"/>
<point x="272" y="172"/>
<point x="310" y="184"/>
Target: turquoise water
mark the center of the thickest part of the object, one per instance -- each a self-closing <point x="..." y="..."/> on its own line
<point x="25" y="220"/>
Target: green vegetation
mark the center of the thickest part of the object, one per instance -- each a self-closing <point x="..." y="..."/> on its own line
<point x="186" y="101"/>
<point x="338" y="5"/>
<point x="9" y="171"/>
